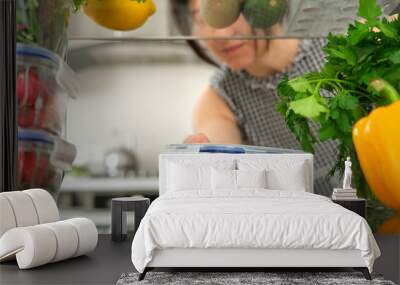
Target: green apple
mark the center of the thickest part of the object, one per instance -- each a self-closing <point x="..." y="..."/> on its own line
<point x="220" y="13"/>
<point x="264" y="13"/>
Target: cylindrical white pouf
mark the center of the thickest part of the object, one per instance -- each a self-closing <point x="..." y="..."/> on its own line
<point x="7" y="218"/>
<point x="45" y="205"/>
<point x="87" y="234"/>
<point x="39" y="245"/>
<point x="23" y="208"/>
<point x="67" y="239"/>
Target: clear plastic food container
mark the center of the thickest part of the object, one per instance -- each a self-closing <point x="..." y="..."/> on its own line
<point x="42" y="160"/>
<point x="44" y="83"/>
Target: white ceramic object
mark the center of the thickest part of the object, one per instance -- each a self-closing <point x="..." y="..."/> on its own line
<point x="31" y="246"/>
<point x="31" y="233"/>
<point x="45" y="205"/>
<point x="67" y="239"/>
<point x="7" y="218"/>
<point x="87" y="235"/>
<point x="23" y="208"/>
<point x="26" y="208"/>
<point x="41" y="244"/>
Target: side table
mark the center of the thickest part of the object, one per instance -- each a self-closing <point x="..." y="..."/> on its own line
<point x="119" y="207"/>
<point x="357" y="205"/>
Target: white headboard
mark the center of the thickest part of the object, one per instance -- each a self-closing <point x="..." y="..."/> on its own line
<point x="212" y="157"/>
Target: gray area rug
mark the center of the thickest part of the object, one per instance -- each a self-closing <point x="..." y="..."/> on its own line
<point x="244" y="278"/>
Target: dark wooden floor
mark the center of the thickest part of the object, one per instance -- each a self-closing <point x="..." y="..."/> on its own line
<point x="110" y="260"/>
<point x="103" y="266"/>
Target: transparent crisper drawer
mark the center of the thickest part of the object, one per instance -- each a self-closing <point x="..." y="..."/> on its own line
<point x="42" y="160"/>
<point x="44" y="84"/>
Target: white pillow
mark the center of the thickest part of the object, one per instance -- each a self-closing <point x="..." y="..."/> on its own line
<point x="282" y="174"/>
<point x="188" y="177"/>
<point x="295" y="181"/>
<point x="223" y="179"/>
<point x="251" y="178"/>
<point x="193" y="173"/>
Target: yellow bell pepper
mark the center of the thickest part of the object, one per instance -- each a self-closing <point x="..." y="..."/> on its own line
<point x="390" y="226"/>
<point x="377" y="141"/>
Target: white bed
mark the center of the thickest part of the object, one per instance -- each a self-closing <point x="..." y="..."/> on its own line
<point x="200" y="220"/>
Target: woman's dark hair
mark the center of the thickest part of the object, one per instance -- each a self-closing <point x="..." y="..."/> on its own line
<point x="183" y="20"/>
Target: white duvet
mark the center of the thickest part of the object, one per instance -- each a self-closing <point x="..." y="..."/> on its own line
<point x="250" y="219"/>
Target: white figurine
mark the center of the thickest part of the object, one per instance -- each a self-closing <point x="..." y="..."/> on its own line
<point x="347" y="174"/>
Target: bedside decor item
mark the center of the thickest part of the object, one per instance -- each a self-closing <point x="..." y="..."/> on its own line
<point x="347" y="192"/>
<point x="119" y="207"/>
<point x="30" y="230"/>
<point x="347" y="175"/>
<point x="344" y="194"/>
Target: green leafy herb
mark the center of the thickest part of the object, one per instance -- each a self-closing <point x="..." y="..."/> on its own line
<point x="343" y="91"/>
<point x="78" y="3"/>
<point x="369" y="10"/>
<point x="308" y="107"/>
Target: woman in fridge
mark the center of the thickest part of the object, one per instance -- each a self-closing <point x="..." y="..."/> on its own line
<point x="239" y="104"/>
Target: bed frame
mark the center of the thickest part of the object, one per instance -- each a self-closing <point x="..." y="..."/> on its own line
<point x="249" y="259"/>
<point x="237" y="259"/>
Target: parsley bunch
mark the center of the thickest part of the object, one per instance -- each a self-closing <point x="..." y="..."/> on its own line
<point x="341" y="93"/>
<point x="78" y="3"/>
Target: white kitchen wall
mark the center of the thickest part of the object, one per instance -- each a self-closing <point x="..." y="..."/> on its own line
<point x="143" y="106"/>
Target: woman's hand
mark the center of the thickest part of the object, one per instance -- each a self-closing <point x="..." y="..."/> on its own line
<point x="197" y="138"/>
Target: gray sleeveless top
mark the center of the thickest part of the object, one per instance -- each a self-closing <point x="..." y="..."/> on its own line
<point x="253" y="101"/>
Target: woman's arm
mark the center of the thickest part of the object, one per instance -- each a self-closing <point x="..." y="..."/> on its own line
<point x="213" y="121"/>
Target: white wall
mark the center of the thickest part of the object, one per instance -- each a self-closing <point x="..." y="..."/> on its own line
<point x="144" y="106"/>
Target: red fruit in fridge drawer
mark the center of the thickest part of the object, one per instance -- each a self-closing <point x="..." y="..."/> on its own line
<point x="32" y="168"/>
<point x="46" y="118"/>
<point x="26" y="167"/>
<point x="26" y="116"/>
<point x="42" y="170"/>
<point x="30" y="87"/>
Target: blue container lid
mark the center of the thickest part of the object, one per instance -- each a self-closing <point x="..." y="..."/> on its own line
<point x="65" y="76"/>
<point x="36" y="136"/>
<point x="34" y="51"/>
<point x="221" y="149"/>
